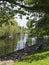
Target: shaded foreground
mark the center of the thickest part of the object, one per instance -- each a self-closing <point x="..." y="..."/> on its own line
<point x="40" y="57"/>
<point x="35" y="54"/>
<point x="21" y="53"/>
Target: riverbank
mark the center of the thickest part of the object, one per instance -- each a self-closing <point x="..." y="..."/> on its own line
<point x="39" y="58"/>
<point x="6" y="62"/>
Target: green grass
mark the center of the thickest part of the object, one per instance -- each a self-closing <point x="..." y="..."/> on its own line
<point x="39" y="58"/>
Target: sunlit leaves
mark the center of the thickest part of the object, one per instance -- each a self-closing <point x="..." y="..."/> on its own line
<point x="10" y="28"/>
<point x="30" y="1"/>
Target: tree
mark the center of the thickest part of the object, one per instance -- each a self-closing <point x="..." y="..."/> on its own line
<point x="9" y="29"/>
<point x="39" y="6"/>
<point x="42" y="25"/>
<point x="31" y="27"/>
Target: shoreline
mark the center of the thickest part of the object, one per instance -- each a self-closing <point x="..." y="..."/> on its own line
<point x="6" y="62"/>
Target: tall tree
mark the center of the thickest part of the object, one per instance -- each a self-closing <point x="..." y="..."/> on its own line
<point x="34" y="6"/>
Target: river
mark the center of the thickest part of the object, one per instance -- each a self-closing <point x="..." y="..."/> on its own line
<point x="9" y="45"/>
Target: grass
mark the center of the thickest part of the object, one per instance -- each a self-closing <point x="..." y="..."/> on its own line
<point x="39" y="58"/>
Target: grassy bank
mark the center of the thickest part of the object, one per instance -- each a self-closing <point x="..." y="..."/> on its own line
<point x="39" y="58"/>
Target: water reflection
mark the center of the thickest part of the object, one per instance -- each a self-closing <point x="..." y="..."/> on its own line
<point x="21" y="43"/>
<point x="34" y="40"/>
<point x="9" y="45"/>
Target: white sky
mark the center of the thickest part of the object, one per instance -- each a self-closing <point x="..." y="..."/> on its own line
<point x="21" y="22"/>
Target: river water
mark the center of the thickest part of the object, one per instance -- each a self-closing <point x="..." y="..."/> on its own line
<point x="18" y="42"/>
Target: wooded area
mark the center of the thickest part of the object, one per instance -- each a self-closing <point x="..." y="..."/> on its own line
<point x="37" y="14"/>
<point x="39" y="8"/>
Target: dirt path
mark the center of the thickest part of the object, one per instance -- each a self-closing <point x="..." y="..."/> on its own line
<point x="8" y="62"/>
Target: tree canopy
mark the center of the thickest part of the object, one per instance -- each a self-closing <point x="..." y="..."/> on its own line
<point x="39" y="7"/>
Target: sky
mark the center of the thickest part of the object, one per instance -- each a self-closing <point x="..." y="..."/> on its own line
<point x="21" y="22"/>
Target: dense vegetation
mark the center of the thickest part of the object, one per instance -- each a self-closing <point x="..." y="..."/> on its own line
<point x="8" y="25"/>
<point x="39" y="8"/>
<point x="40" y="27"/>
<point x="9" y="29"/>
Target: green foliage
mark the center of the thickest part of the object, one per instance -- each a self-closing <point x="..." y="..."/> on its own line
<point x="10" y="28"/>
<point x="42" y="26"/>
<point x="30" y="23"/>
<point x="39" y="27"/>
<point x="31" y="26"/>
<point x="29" y="1"/>
<point x="40" y="6"/>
